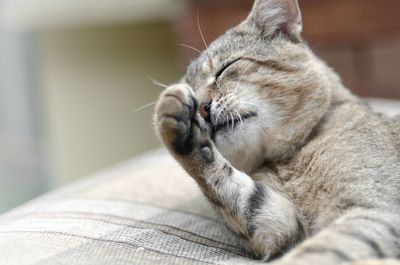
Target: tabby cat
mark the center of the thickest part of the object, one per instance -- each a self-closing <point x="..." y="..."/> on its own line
<point x="297" y="166"/>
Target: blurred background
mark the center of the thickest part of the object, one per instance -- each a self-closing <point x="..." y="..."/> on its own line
<point x="74" y="75"/>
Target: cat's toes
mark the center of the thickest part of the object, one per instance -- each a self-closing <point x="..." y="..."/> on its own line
<point x="176" y="111"/>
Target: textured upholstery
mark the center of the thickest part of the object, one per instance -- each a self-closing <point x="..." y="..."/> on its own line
<point x="146" y="212"/>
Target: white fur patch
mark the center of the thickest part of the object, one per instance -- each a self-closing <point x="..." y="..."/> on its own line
<point x="205" y="67"/>
<point x="244" y="145"/>
<point x="277" y="217"/>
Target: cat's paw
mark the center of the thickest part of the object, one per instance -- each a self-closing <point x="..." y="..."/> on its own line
<point x="176" y="118"/>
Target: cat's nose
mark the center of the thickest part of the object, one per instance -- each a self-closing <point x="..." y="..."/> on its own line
<point x="205" y="111"/>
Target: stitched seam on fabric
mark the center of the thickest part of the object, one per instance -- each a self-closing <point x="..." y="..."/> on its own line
<point x="104" y="241"/>
<point x="233" y="249"/>
<point x="150" y="204"/>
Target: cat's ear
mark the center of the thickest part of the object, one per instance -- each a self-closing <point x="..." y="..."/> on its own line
<point x="274" y="16"/>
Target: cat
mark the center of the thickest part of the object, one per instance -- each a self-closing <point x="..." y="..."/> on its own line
<point x="302" y="170"/>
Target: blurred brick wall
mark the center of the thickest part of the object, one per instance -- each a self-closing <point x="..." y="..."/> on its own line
<point x="359" y="38"/>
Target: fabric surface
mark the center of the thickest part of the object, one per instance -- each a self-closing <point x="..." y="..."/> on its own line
<point x="146" y="212"/>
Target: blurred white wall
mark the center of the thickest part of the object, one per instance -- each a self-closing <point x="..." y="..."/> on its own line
<point x="75" y="13"/>
<point x="22" y="174"/>
<point x="92" y="80"/>
<point x="72" y="74"/>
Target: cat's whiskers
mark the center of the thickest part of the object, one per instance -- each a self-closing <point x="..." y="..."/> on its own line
<point x="239" y="116"/>
<point x="228" y="122"/>
<point x="157" y="83"/>
<point x="236" y="91"/>
<point x="219" y="88"/>
<point x="217" y="119"/>
<point x="228" y="118"/>
<point x="231" y="97"/>
<point x="238" y="83"/>
<point x="190" y="47"/>
<point x="224" y="115"/>
<point x="233" y="120"/>
<point x="146" y="106"/>
<point x="199" y="27"/>
<point x="313" y="48"/>
<point x="218" y="108"/>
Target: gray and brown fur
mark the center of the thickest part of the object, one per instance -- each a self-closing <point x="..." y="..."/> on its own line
<point x="297" y="166"/>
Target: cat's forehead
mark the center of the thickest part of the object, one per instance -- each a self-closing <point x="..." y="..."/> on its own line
<point x="233" y="43"/>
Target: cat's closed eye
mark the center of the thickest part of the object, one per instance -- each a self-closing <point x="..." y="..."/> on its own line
<point x="225" y="67"/>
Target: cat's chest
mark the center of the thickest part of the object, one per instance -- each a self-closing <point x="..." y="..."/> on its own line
<point x="320" y="180"/>
<point x="245" y="159"/>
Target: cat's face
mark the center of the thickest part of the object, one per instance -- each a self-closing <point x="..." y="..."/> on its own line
<point x="260" y="89"/>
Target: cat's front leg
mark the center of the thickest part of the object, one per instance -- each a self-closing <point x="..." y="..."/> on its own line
<point x="265" y="219"/>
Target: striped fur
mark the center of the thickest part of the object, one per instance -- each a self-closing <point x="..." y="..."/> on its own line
<point x="297" y="166"/>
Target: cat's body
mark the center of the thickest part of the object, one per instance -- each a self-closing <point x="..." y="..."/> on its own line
<point x="287" y="156"/>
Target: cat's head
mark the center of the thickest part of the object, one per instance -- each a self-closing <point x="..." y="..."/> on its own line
<point x="260" y="88"/>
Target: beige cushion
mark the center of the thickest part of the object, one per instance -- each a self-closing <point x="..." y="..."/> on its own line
<point x="148" y="211"/>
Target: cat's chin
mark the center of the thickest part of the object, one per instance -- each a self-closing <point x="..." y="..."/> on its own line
<point x="246" y="160"/>
<point x="243" y="147"/>
<point x="232" y="126"/>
